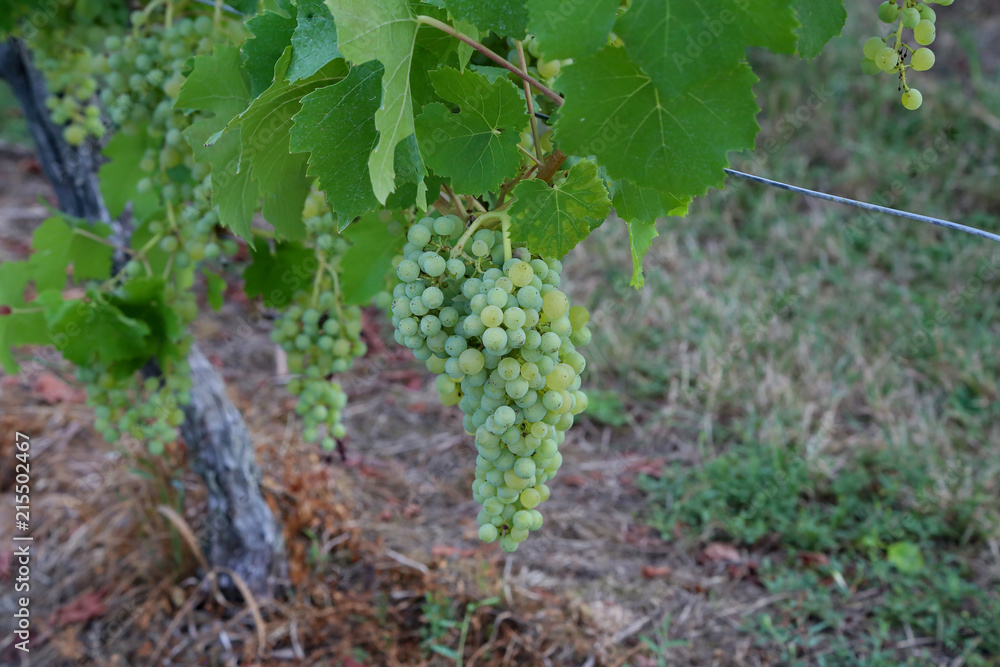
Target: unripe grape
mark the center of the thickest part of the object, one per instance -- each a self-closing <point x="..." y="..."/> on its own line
<point x="873" y="46"/>
<point x="910" y="17"/>
<point x="922" y="60"/>
<point x="924" y="33"/>
<point x="888" y="12"/>
<point x="74" y="135"/>
<point x="912" y="99"/>
<point x="549" y="69"/>
<point x="887" y="59"/>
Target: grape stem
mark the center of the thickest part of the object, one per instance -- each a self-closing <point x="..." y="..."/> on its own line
<point x="146" y="13"/>
<point x="508" y="252"/>
<point x="94" y="237"/>
<point x="316" y="281"/>
<point x="530" y="102"/>
<point x="477" y="223"/>
<point x="530" y="155"/>
<point x="499" y="60"/>
<point x="336" y="291"/>
<point x="456" y="202"/>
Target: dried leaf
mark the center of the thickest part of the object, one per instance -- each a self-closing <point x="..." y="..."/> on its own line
<point x="720" y="552"/>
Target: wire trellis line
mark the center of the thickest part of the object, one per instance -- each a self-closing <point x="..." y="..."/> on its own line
<point x="866" y="206"/>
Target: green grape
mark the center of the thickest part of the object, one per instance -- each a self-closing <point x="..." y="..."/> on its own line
<point x="75" y="135"/>
<point x="168" y="244"/>
<point x="926" y="13"/>
<point x="924" y="33"/>
<point x="912" y="99"/>
<point x="887" y="59"/>
<point x="873" y="46"/>
<point x="888" y="12"/>
<point x="922" y="60"/>
<point x="549" y="69"/>
<point x="909" y="17"/>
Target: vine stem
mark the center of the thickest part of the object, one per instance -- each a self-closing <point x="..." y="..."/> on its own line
<point x="530" y="154"/>
<point x="457" y="249"/>
<point x="456" y="202"/>
<point x="477" y="223"/>
<point x="94" y="237"/>
<point x="336" y="290"/>
<point x="320" y="270"/>
<point x="508" y="252"/>
<point x="528" y="100"/>
<point x="499" y="60"/>
<point x="864" y="205"/>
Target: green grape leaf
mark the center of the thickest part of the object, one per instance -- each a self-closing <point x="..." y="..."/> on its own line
<point x="463" y="50"/>
<point x="680" y="43"/>
<point x="120" y="175"/>
<point x="215" y="288"/>
<point x="571" y="29"/>
<point x="219" y="86"/>
<point x="20" y="329"/>
<point x="552" y="220"/>
<point x="411" y="172"/>
<point x="504" y="17"/>
<point x="85" y="330"/>
<point x="337" y="127"/>
<point x="432" y="48"/>
<point x="56" y="245"/>
<point x="640" y="207"/>
<point x="386" y="31"/>
<point x="633" y="203"/>
<point x="640" y="237"/>
<point x="366" y="263"/>
<point x="14" y="278"/>
<point x="280" y="175"/>
<point x="821" y="20"/>
<point x="673" y="140"/>
<point x="272" y="35"/>
<point x="141" y="236"/>
<point x="279" y="275"/>
<point x="314" y="41"/>
<point x="142" y="299"/>
<point x="477" y="147"/>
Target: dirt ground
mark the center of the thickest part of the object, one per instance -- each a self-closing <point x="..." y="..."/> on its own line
<point x="370" y="537"/>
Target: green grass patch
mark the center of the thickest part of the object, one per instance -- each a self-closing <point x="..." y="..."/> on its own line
<point x="890" y="523"/>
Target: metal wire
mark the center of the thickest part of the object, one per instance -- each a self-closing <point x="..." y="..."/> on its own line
<point x="227" y="8"/>
<point x="868" y="207"/>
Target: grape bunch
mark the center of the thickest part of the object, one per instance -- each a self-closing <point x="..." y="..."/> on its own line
<point x="321" y="339"/>
<point x="150" y="411"/>
<point x="69" y="58"/>
<point x="143" y="74"/>
<point x="203" y="236"/>
<point x="320" y="335"/>
<point x="890" y="54"/>
<point x="537" y="66"/>
<point x="502" y="337"/>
